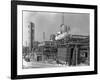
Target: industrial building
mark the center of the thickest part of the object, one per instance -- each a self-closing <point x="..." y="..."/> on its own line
<point x="64" y="49"/>
<point x="72" y="52"/>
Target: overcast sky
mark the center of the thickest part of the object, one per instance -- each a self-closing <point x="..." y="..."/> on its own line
<point x="49" y="23"/>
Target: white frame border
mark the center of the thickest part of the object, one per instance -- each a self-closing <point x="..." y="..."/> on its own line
<point x="21" y="71"/>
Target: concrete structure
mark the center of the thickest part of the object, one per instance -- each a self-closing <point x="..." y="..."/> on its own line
<point x="32" y="34"/>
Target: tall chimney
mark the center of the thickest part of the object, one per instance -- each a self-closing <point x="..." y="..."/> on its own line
<point x="43" y="36"/>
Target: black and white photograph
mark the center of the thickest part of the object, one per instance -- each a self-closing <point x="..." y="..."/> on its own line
<point x="53" y="39"/>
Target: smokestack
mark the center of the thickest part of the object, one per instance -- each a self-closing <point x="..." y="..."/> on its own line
<point x="43" y="36"/>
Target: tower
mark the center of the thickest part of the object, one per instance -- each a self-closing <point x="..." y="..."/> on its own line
<point x="31" y="33"/>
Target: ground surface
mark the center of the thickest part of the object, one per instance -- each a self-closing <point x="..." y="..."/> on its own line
<point x="39" y="65"/>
